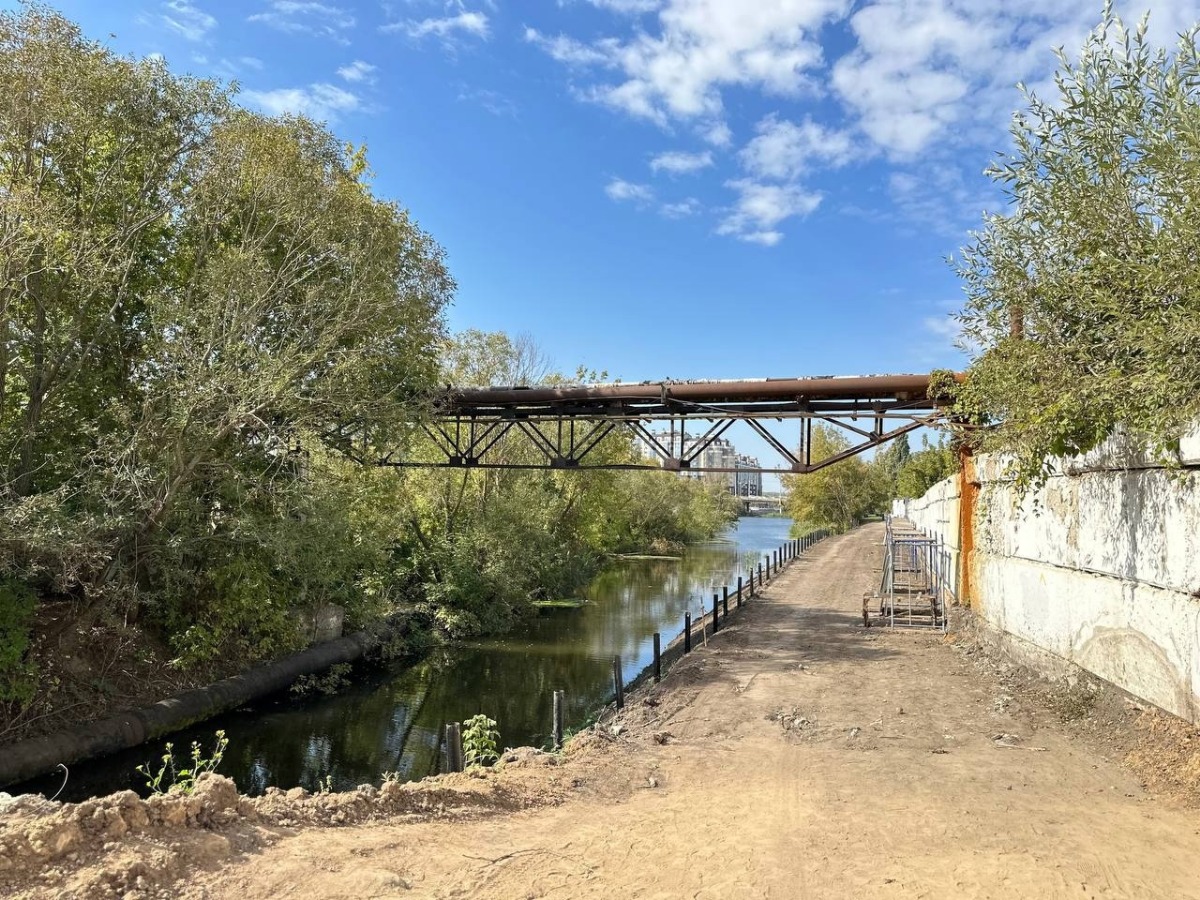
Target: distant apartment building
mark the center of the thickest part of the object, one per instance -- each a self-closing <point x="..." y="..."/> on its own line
<point x="719" y="454"/>
<point x="747" y="483"/>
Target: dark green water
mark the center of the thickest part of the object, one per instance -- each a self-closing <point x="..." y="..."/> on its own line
<point x="392" y="720"/>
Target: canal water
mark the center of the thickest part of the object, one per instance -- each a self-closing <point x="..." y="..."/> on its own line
<point x="391" y="720"/>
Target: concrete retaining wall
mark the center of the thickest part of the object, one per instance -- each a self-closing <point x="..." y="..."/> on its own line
<point x="1099" y="568"/>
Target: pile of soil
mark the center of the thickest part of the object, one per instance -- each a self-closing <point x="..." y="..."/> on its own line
<point x="124" y="846"/>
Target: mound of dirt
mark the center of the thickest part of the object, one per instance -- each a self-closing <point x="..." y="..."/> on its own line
<point x="124" y="846"/>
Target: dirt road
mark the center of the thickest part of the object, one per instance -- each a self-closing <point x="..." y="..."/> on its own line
<point x="807" y="757"/>
<point x="797" y="756"/>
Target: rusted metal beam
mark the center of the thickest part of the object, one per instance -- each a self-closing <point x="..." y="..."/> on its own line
<point x="470" y="422"/>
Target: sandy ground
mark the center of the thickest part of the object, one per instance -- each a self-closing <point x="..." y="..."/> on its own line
<point x="797" y="756"/>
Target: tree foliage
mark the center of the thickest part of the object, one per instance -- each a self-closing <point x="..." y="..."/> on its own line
<point x="836" y="497"/>
<point x="925" y="468"/>
<point x="209" y="327"/>
<point x="1084" y="298"/>
<point x="195" y="301"/>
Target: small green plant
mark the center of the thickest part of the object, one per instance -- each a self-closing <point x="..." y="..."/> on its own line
<point x="169" y="779"/>
<point x="391" y="777"/>
<point x="481" y="741"/>
<point x="325" y="785"/>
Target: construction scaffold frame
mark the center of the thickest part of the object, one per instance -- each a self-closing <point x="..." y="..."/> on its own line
<point x="916" y="588"/>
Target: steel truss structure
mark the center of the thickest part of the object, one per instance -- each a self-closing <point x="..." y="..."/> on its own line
<point x="566" y="424"/>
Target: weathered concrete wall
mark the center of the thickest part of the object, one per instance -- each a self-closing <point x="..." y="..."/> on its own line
<point x="1100" y="567"/>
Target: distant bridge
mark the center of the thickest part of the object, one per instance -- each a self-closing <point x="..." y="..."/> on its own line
<point x="567" y="423"/>
<point x="762" y="504"/>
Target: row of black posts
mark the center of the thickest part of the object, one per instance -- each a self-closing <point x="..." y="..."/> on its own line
<point x="767" y="569"/>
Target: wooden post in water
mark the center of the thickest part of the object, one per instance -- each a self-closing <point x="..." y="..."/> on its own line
<point x="716" y="619"/>
<point x="657" y="658"/>
<point x="454" y="747"/>
<point x="556" y="729"/>
<point x="687" y="632"/>
<point x="739" y="594"/>
<point x="618" y="682"/>
<point x="725" y="600"/>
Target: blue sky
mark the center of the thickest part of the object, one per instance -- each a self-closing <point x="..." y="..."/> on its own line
<point x="663" y="188"/>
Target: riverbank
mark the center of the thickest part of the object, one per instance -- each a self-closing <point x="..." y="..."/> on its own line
<point x="388" y="716"/>
<point x="797" y="755"/>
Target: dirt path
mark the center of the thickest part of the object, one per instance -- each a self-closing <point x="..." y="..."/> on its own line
<point x="807" y="758"/>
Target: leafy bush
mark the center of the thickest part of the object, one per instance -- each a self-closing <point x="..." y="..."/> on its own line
<point x="481" y="741"/>
<point x="17" y="675"/>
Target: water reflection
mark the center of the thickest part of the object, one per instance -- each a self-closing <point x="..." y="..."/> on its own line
<point x="392" y="721"/>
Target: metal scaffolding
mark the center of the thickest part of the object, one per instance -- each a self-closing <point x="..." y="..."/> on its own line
<point x="916" y="586"/>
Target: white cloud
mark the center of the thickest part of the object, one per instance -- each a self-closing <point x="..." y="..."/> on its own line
<point x="628" y="6"/>
<point x="718" y="134"/>
<point x="678" y="162"/>
<point x="680" y="210"/>
<point x="323" y="102"/>
<point x="307" y="17"/>
<point x="787" y="150"/>
<point x="760" y="208"/>
<point x="700" y="47"/>
<point x="928" y="72"/>
<point x="572" y="52"/>
<point x="945" y="328"/>
<point x="926" y="85"/>
<point x="187" y="19"/>
<point x="474" y="24"/>
<point x="358" y="71"/>
<point x="493" y="101"/>
<point x="621" y="190"/>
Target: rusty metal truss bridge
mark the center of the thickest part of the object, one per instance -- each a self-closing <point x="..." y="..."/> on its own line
<point x="566" y="424"/>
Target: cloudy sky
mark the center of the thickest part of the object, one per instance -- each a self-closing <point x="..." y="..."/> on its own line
<point x="664" y="188"/>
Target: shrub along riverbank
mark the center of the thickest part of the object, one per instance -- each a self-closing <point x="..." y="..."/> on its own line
<point x="210" y="329"/>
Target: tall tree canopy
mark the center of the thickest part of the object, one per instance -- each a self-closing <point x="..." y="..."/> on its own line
<point x="210" y="329"/>
<point x="196" y="303"/>
<point x="1084" y="298"/>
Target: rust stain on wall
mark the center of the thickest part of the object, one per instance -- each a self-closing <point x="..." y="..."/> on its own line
<point x="968" y="498"/>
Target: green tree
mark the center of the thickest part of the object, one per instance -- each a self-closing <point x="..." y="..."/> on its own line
<point x="837" y="496"/>
<point x="203" y="313"/>
<point x="1084" y="299"/>
<point x="211" y="331"/>
<point x="891" y="460"/>
<point x="925" y="468"/>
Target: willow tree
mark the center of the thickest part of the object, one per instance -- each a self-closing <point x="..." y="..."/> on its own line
<point x="1085" y="296"/>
